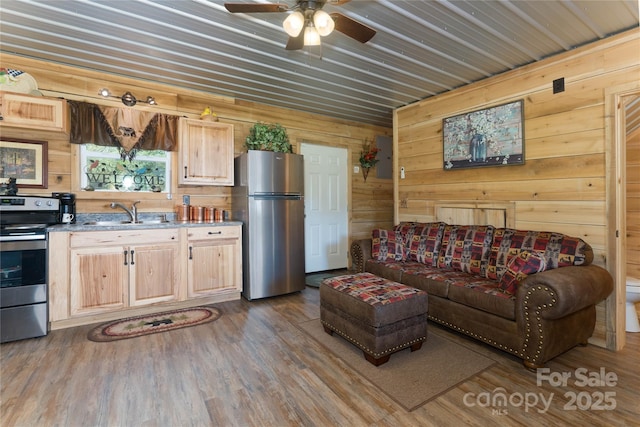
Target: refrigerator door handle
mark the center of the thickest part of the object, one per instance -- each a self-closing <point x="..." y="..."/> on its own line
<point x="277" y="197"/>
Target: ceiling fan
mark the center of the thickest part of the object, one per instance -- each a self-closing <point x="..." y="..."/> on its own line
<point x="307" y="22"/>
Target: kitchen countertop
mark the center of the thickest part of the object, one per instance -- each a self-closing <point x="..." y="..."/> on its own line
<point x="152" y="221"/>
<point x="168" y="224"/>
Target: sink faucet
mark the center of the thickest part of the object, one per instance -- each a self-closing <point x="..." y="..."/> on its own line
<point x="133" y="212"/>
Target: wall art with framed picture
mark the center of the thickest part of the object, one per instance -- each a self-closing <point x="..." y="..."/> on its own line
<point x="489" y="137"/>
<point x="24" y="160"/>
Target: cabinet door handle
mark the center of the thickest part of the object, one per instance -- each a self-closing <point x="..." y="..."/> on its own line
<point x="185" y="171"/>
<point x="132" y="263"/>
<point x="190" y="252"/>
<point x="125" y="257"/>
<point x="215" y="232"/>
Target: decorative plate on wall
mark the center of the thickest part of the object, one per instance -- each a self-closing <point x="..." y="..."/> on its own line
<point x="18" y="81"/>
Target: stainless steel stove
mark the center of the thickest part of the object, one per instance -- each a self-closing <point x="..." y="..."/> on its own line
<point x="24" y="265"/>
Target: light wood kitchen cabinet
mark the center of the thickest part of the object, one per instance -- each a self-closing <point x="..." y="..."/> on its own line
<point x="33" y="112"/>
<point x="98" y="276"/>
<point x="206" y="153"/>
<point x="111" y="270"/>
<point x="99" y="280"/>
<point x="214" y="260"/>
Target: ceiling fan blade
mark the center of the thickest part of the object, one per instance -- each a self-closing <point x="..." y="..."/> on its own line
<point x="352" y="28"/>
<point x="255" y="7"/>
<point x="295" y="43"/>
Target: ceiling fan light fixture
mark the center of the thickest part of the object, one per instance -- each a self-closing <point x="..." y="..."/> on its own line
<point x="323" y="23"/>
<point x="311" y="36"/>
<point x="293" y="24"/>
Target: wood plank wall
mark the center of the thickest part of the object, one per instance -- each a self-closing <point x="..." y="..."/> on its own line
<point x="370" y="202"/>
<point x="562" y="185"/>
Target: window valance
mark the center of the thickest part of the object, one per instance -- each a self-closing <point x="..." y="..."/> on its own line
<point x="126" y="128"/>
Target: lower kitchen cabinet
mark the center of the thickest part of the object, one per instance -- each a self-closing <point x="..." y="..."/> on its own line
<point x="214" y="260"/>
<point x="111" y="270"/>
<point x="105" y="275"/>
<point x="99" y="280"/>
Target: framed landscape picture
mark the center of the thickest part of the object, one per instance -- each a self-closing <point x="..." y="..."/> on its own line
<point x="490" y="137"/>
<point x="24" y="160"/>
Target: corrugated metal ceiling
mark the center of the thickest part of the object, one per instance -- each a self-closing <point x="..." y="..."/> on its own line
<point x="421" y="48"/>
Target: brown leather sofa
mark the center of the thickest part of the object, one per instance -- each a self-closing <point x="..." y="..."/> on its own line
<point x="530" y="293"/>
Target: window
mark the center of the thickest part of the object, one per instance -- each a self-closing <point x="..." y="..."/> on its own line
<point x="102" y="169"/>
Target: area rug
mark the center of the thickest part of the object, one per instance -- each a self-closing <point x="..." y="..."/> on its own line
<point x="132" y="327"/>
<point x="315" y="279"/>
<point x="409" y="378"/>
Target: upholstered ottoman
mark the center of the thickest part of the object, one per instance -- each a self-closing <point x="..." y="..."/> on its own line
<point x="377" y="315"/>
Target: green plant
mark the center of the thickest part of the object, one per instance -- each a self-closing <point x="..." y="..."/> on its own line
<point x="268" y="137"/>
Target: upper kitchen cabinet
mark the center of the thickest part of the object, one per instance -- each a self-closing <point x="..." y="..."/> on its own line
<point x="33" y="112"/>
<point x="206" y="153"/>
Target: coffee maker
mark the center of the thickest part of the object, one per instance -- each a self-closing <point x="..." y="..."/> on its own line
<point x="67" y="214"/>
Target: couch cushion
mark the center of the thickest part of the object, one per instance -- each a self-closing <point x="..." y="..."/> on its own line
<point x="558" y="250"/>
<point x="472" y="249"/>
<point x="519" y="268"/>
<point x="446" y="248"/>
<point x="387" y="245"/>
<point x="424" y="244"/>
<point x="429" y="279"/>
<point x="481" y="293"/>
<point x="391" y="270"/>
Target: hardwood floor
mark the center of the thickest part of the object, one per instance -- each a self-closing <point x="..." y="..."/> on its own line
<point x="254" y="367"/>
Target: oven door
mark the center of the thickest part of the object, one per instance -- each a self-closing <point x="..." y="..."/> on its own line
<point x="23" y="288"/>
<point x="23" y="262"/>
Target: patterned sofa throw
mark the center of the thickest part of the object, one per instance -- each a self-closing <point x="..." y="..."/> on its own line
<point x="387" y="245"/>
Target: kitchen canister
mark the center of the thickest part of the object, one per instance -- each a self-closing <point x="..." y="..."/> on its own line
<point x="209" y="214"/>
<point x="182" y="212"/>
<point x="197" y="213"/>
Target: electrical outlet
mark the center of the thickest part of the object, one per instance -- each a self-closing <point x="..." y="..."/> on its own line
<point x="186" y="199"/>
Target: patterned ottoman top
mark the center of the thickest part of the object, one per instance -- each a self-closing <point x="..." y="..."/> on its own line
<point x="372" y="289"/>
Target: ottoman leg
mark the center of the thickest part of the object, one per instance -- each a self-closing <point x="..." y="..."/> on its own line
<point x="376" y="362"/>
<point x="327" y="329"/>
<point x="416" y="346"/>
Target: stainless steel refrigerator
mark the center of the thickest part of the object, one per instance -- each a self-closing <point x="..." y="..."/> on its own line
<point x="268" y="197"/>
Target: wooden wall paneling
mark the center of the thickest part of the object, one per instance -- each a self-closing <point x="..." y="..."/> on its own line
<point x="371" y="202"/>
<point x="563" y="184"/>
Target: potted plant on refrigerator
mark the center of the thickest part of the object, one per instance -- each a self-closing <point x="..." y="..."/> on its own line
<point x="268" y="137"/>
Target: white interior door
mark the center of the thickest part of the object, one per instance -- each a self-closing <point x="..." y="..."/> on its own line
<point x="325" y="207"/>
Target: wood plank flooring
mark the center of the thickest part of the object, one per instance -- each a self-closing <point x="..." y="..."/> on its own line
<point x="254" y="367"/>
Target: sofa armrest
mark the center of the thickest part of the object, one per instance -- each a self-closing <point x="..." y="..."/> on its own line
<point x="559" y="292"/>
<point x="360" y="253"/>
